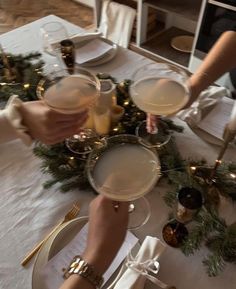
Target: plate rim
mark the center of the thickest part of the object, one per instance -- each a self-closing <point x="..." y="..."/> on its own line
<point x="47" y="245"/>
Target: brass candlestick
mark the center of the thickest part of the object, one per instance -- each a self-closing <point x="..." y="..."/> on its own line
<point x="228" y="136"/>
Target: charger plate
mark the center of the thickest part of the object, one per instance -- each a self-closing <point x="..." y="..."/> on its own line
<point x="53" y="245"/>
<point x="58" y="241"/>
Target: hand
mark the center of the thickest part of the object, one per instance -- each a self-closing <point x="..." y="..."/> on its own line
<point x="50" y="126"/>
<point x="107" y="230"/>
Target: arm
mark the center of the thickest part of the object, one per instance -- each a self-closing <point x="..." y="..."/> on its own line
<point x="220" y="59"/>
<point x="107" y="230"/>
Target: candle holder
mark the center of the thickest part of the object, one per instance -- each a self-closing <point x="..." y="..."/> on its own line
<point x="189" y="202"/>
<point x="174" y="233"/>
<point x="68" y="54"/>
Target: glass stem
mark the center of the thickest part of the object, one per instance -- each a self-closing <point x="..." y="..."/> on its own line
<point x="152" y="123"/>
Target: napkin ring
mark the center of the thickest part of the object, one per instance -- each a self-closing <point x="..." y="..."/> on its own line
<point x="79" y="266"/>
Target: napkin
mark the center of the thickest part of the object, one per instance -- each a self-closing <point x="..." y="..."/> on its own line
<point x="92" y="50"/>
<point x="208" y="98"/>
<point x="143" y="266"/>
<point x="117" y="22"/>
<point x="78" y="38"/>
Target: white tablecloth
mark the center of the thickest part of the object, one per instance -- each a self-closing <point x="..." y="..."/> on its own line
<point x="28" y="212"/>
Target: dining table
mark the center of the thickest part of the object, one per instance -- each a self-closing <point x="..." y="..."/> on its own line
<point x="28" y="211"/>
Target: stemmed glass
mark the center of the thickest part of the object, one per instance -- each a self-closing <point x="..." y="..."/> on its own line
<point x="71" y="93"/>
<point x="159" y="89"/>
<point x="52" y="33"/>
<point x="125" y="170"/>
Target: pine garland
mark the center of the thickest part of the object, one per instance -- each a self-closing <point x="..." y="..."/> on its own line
<point x="26" y="70"/>
<point x="64" y="167"/>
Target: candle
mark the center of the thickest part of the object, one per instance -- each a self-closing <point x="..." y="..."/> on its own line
<point x="90" y="121"/>
<point x="232" y="121"/>
<point x="102" y="120"/>
<point x="107" y="93"/>
<point x="117" y="112"/>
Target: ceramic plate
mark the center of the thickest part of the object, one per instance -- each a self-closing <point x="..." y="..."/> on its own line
<point x="103" y="58"/>
<point x="183" y="43"/>
<point x="57" y="242"/>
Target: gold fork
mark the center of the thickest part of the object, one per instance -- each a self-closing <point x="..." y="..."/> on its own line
<point x="73" y="213"/>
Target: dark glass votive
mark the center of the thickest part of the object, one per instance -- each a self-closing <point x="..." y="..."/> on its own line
<point x="68" y="53"/>
<point x="189" y="202"/>
<point x="174" y="233"/>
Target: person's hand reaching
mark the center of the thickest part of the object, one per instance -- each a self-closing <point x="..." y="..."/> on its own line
<point x="50" y="126"/>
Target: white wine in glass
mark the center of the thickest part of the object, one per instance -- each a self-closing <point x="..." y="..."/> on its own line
<point x="71" y="93"/>
<point x="125" y="170"/>
<point x="159" y="89"/>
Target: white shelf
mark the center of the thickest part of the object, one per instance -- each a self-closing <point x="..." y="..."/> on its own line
<point x="185" y="8"/>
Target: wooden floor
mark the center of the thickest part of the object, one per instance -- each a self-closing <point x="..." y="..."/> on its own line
<point x="15" y="13"/>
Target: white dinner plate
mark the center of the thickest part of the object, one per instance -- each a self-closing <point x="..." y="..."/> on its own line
<point x="109" y="55"/>
<point x="57" y="242"/>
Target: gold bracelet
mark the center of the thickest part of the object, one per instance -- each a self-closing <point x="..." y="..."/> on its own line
<point x="79" y="266"/>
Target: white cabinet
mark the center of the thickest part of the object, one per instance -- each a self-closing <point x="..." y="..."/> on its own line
<point x="174" y="18"/>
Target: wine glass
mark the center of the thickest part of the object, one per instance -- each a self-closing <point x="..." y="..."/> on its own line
<point x="159" y="89"/>
<point x="125" y="170"/>
<point x="52" y="33"/>
<point x="71" y="93"/>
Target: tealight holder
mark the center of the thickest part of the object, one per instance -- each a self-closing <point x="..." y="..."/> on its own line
<point x="174" y="233"/>
<point x="190" y="200"/>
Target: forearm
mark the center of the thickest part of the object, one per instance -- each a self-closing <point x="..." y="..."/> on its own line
<point x="220" y="59"/>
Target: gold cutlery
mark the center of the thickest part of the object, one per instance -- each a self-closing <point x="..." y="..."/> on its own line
<point x="71" y="214"/>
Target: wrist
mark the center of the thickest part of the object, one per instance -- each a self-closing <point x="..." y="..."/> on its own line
<point x="98" y="260"/>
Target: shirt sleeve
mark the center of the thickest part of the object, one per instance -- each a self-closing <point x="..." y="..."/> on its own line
<point x="11" y="126"/>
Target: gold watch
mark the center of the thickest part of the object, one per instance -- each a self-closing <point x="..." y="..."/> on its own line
<point x="82" y="268"/>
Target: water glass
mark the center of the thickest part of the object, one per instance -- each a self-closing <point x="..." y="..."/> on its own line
<point x="52" y="33"/>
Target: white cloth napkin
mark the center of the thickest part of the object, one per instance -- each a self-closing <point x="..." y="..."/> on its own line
<point x="140" y="267"/>
<point x="209" y="97"/>
<point x="117" y="22"/>
<point x="78" y="38"/>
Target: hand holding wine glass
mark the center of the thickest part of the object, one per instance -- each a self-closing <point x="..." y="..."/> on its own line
<point x="69" y="94"/>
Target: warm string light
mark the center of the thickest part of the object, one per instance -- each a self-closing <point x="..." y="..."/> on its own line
<point x="26" y="85"/>
<point x="233" y="176"/>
